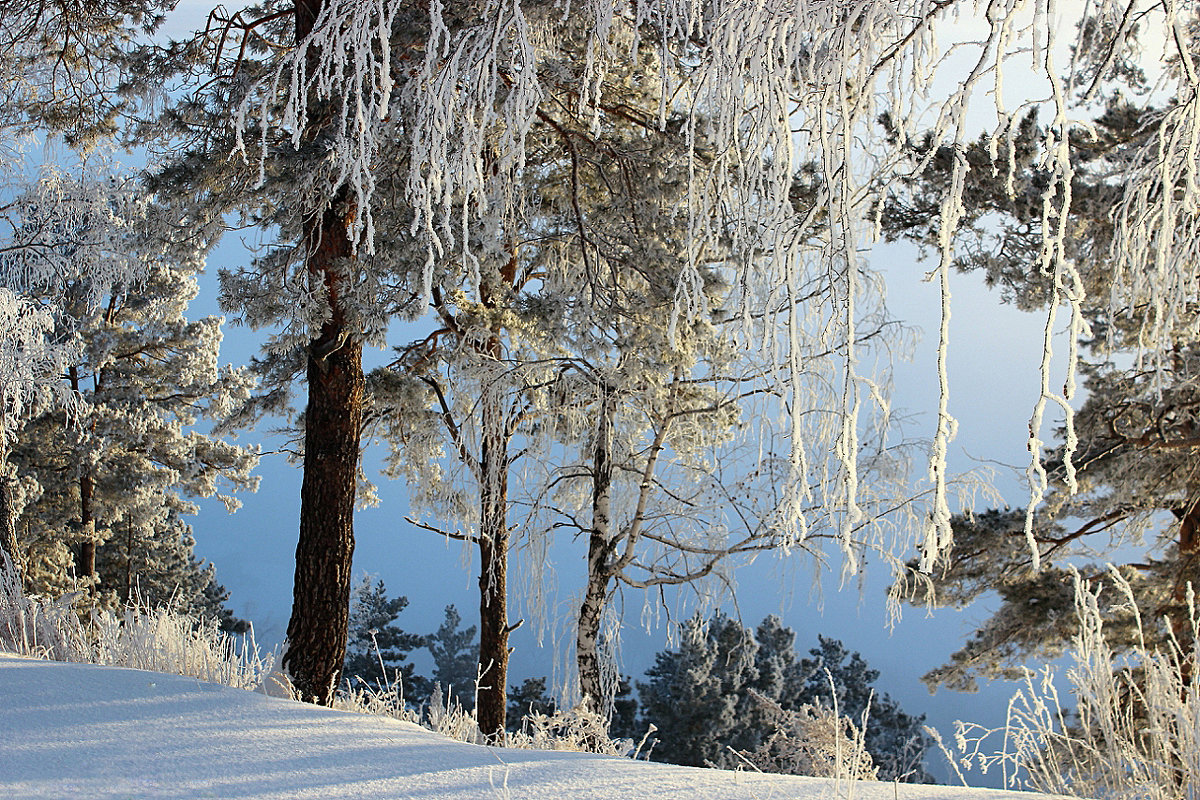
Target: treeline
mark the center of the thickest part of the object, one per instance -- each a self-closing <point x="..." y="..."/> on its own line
<point x="726" y="696"/>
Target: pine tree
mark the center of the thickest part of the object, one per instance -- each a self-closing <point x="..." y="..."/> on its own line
<point x="455" y="658"/>
<point x="63" y="66"/>
<point x="73" y="238"/>
<point x="377" y="648"/>
<point x="161" y="570"/>
<point x="30" y="363"/>
<point x="720" y="694"/>
<point x="321" y="285"/>
<point x="895" y="740"/>
<point x="624" y="721"/>
<point x="698" y="696"/>
<point x="528" y="699"/>
<point x="115" y="476"/>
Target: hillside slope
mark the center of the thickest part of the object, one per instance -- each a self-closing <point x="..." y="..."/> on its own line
<point x="73" y="730"/>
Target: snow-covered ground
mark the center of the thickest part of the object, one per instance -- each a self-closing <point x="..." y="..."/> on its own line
<point x="82" y="731"/>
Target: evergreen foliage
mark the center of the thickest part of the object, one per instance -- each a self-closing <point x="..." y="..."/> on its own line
<point x="624" y="721"/>
<point x="698" y="695"/>
<point x="725" y="690"/>
<point x="837" y="677"/>
<point x="455" y="658"/>
<point x="377" y="648"/>
<point x="114" y="477"/>
<point x="63" y="65"/>
<point x="1122" y="480"/>
<point x="378" y="651"/>
<point x="527" y="699"/>
<point x="440" y="155"/>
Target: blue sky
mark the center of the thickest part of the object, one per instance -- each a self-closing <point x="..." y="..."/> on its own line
<point x="993" y="363"/>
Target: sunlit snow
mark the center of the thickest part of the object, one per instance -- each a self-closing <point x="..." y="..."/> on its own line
<point x="82" y="731"/>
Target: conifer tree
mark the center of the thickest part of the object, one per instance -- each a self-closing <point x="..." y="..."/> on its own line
<point x="698" y="695"/>
<point x="720" y="693"/>
<point x="72" y="238"/>
<point x="527" y="699"/>
<point x="30" y="364"/>
<point x="63" y="67"/>
<point x="377" y="648"/>
<point x="321" y="285"/>
<point x="455" y="658"/>
<point x="60" y="75"/>
<point x="895" y="740"/>
<point x="115" y="476"/>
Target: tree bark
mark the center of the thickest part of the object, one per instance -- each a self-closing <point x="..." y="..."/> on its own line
<point x="316" y="634"/>
<point x="600" y="549"/>
<point x="85" y="558"/>
<point x="492" y="692"/>
<point x="85" y="566"/>
<point x="8" y="514"/>
<point x="1189" y="551"/>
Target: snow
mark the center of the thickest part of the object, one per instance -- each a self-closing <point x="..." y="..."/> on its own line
<point x="75" y="730"/>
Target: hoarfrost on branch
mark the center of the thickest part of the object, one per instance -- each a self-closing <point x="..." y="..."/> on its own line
<point x="774" y="84"/>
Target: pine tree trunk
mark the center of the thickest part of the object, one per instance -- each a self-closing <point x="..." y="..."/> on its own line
<point x="600" y="544"/>
<point x="85" y="567"/>
<point x="316" y="636"/>
<point x="492" y="692"/>
<point x="8" y="513"/>
<point x="317" y="631"/>
<point x="1189" y="551"/>
<point x="85" y="558"/>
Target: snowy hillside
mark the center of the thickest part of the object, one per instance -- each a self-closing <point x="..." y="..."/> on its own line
<point x="81" y="731"/>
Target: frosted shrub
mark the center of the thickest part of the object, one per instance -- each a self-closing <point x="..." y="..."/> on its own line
<point x="379" y="701"/>
<point x="576" y="730"/>
<point x="32" y="626"/>
<point x="155" y="639"/>
<point x="161" y="640"/>
<point x="445" y="715"/>
<point x="812" y="740"/>
<point x="1136" y="730"/>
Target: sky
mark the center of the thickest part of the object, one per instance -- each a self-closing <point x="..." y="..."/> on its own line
<point x="109" y="733"/>
<point x="993" y="365"/>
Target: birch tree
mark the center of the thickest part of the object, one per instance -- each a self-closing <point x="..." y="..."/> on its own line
<point x="573" y="343"/>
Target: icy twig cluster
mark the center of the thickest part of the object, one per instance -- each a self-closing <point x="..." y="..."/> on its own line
<point x="1134" y="730"/>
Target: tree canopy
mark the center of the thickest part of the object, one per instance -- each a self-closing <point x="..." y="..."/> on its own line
<point x="386" y="151"/>
<point x="725" y="690"/>
<point x="1122" y="478"/>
